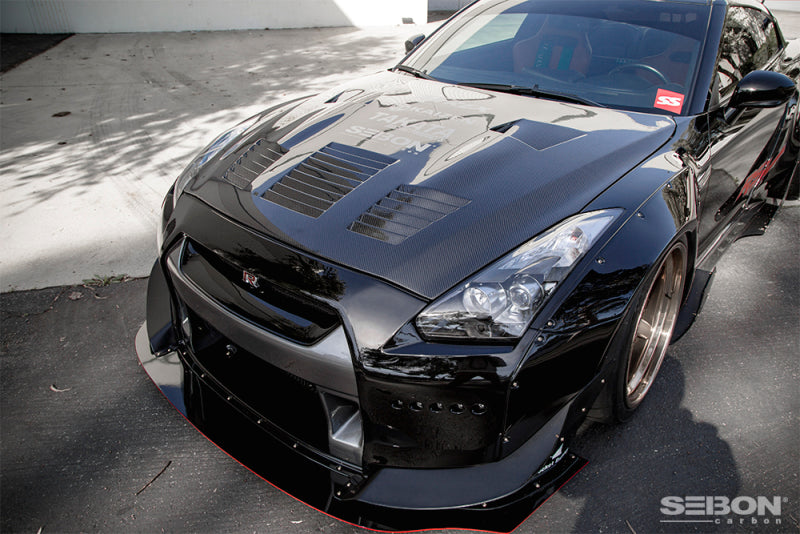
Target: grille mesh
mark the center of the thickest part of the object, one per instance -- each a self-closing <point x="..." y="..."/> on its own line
<point x="322" y="179"/>
<point x="404" y="212"/>
<point x="255" y="160"/>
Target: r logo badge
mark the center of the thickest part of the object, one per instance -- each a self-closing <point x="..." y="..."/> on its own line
<point x="250" y="279"/>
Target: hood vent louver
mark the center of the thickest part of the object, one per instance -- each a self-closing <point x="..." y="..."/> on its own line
<point x="255" y="160"/>
<point x="324" y="178"/>
<point x="404" y="212"/>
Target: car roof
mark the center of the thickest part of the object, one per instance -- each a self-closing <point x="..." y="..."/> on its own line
<point x="755" y="4"/>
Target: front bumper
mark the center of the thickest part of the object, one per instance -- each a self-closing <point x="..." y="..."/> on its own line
<point x="312" y="381"/>
<point x="495" y="496"/>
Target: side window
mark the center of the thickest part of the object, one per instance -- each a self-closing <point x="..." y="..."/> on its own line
<point x="745" y="47"/>
<point x="773" y="41"/>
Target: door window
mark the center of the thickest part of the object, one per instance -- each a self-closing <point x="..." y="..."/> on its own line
<point x="749" y="41"/>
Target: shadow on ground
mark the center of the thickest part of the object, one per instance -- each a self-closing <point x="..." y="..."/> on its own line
<point x="16" y="48"/>
<point x="96" y="129"/>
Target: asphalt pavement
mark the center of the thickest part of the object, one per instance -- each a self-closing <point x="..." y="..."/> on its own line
<point x="88" y="444"/>
<point x="16" y="48"/>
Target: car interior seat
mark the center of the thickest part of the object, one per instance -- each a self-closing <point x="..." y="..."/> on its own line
<point x="556" y="50"/>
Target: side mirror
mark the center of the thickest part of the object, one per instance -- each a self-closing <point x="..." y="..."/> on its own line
<point x="412" y="42"/>
<point x="762" y="89"/>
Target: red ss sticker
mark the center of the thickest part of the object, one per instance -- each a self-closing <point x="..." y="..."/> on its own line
<point x="668" y="100"/>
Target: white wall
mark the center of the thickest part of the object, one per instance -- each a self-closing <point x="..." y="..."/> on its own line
<point x="110" y="16"/>
<point x="444" y="5"/>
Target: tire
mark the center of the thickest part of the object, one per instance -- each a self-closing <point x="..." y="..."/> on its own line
<point x="647" y="328"/>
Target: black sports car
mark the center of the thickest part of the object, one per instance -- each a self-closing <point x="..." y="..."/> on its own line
<point x="398" y="300"/>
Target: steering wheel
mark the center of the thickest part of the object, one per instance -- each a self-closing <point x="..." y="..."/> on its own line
<point x="649" y="68"/>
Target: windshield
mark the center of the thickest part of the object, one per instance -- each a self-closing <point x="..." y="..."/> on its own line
<point x="638" y="55"/>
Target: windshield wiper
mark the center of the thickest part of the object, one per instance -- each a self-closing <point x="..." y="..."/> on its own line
<point x="533" y="91"/>
<point x="415" y="72"/>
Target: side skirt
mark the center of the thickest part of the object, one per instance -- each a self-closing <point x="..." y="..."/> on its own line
<point x="694" y="302"/>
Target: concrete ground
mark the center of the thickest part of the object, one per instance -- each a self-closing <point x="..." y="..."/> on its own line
<point x="82" y="429"/>
<point x="95" y="130"/>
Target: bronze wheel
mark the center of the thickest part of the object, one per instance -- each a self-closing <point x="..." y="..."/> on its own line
<point x="654" y="325"/>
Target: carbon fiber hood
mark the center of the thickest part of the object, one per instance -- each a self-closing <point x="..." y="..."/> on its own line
<point x="418" y="182"/>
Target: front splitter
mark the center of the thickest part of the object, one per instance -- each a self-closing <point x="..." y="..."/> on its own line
<point x="316" y="482"/>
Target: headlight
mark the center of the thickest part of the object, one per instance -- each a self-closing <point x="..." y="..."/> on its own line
<point x="501" y="300"/>
<point x="205" y="155"/>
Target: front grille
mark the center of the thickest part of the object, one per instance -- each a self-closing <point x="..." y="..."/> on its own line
<point x="289" y="402"/>
<point x="404" y="212"/>
<point x="281" y="310"/>
<point x="325" y="177"/>
<point x="255" y="160"/>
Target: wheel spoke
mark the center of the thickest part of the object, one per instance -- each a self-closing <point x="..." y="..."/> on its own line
<point x="669" y="278"/>
<point x="644" y="330"/>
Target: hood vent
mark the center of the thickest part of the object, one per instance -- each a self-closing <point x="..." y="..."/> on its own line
<point x="538" y="135"/>
<point x="404" y="212"/>
<point x="255" y="160"/>
<point x="324" y="178"/>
